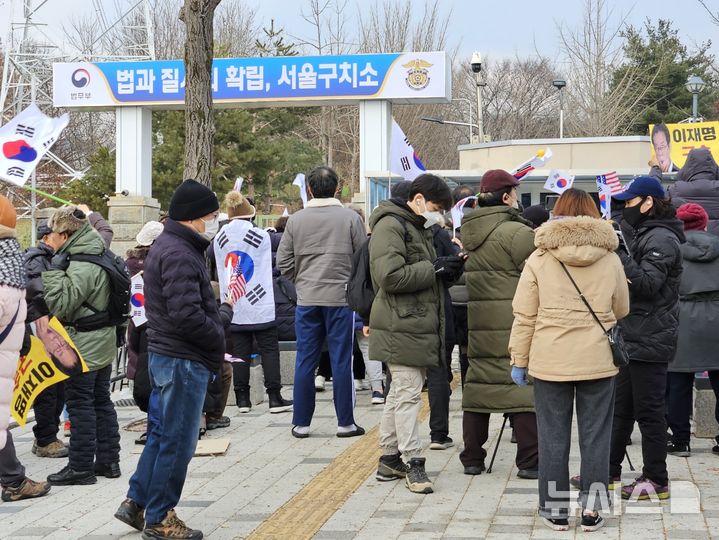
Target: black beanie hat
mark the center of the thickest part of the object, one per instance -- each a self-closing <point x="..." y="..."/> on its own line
<point x="191" y="200"/>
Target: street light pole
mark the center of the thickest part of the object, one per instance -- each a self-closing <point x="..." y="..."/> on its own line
<point x="469" y="105"/>
<point x="559" y="84"/>
<point x="476" y="64"/>
<point x="695" y="85"/>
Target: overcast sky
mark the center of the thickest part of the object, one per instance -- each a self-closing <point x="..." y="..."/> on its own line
<point x="496" y="28"/>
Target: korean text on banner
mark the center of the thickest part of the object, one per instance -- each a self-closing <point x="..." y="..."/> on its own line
<point x="137" y="300"/>
<point x="671" y="143"/>
<point x="24" y="140"/>
<point x="53" y="357"/>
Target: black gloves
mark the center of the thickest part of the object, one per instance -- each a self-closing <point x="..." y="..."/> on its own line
<point x="448" y="267"/>
<point x="60" y="262"/>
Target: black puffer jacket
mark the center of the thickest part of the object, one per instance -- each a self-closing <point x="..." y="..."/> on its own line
<point x="654" y="271"/>
<point x="36" y="260"/>
<point x="698" y="182"/>
<point x="285" y="295"/>
<point x="182" y="314"/>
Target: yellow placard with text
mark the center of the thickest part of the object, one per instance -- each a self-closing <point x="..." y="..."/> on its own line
<point x="52" y="358"/>
<point x="671" y="143"/>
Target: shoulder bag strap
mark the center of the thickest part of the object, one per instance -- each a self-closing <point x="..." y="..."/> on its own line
<point x="586" y="303"/>
<point x="6" y="332"/>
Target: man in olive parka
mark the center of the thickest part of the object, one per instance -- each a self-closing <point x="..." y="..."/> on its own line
<point x="407" y="318"/>
<point x="498" y="241"/>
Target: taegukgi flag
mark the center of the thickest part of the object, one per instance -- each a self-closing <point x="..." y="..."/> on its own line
<point x="458" y="211"/>
<point x="24" y="140"/>
<point x="137" y="300"/>
<point x="241" y="249"/>
<point x="539" y="160"/>
<point x="605" y="196"/>
<point x="559" y="181"/>
<point x="404" y="161"/>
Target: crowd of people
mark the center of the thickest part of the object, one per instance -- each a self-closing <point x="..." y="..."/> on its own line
<point x="535" y="301"/>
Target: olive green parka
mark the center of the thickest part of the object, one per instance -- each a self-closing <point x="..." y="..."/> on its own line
<point x="407" y="318"/>
<point x="498" y="241"/>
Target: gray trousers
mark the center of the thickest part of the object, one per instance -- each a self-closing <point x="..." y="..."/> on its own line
<point x="12" y="473"/>
<point x="554" y="403"/>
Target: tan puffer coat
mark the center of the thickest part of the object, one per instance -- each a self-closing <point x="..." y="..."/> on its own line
<point x="554" y="335"/>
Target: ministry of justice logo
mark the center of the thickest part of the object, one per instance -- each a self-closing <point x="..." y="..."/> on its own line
<point x="417" y="74"/>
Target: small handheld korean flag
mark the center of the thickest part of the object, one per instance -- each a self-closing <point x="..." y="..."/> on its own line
<point x="458" y="212"/>
<point x="137" y="300"/>
<point x="404" y="161"/>
<point x="539" y="160"/>
<point x="299" y="181"/>
<point x="558" y="181"/>
<point x="24" y="140"/>
<point x="605" y="197"/>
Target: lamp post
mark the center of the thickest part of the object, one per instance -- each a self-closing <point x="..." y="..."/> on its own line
<point x="476" y="64"/>
<point x="559" y="84"/>
<point x="695" y="85"/>
<point x="439" y="120"/>
<point x="469" y="106"/>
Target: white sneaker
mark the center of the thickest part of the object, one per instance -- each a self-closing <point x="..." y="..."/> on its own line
<point x="320" y="383"/>
<point x="361" y="385"/>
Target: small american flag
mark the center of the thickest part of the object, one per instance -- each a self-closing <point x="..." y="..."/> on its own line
<point x="236" y="287"/>
<point x="611" y="180"/>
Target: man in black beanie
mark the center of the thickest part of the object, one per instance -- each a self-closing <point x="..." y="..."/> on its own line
<point x="186" y="343"/>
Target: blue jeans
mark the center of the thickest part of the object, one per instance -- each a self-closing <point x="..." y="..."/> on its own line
<point x="313" y="324"/>
<point x="157" y="483"/>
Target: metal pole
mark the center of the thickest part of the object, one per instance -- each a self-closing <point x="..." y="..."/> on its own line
<point x="33" y="194"/>
<point x="480" y="120"/>
<point x="695" y="106"/>
<point x="561" y="113"/>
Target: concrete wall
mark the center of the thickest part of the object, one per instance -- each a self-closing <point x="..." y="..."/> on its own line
<point x="601" y="154"/>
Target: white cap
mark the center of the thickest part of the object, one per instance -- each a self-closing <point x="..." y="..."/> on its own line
<point x="149" y="233"/>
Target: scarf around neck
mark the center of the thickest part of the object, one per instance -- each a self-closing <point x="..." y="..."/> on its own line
<point x="12" y="271"/>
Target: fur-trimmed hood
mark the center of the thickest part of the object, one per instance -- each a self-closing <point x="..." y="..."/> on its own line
<point x="577" y="241"/>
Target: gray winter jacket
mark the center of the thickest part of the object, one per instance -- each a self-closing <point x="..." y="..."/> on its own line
<point x="698" y="305"/>
<point x="316" y="251"/>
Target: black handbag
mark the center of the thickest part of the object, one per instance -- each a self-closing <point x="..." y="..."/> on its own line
<point x="614" y="335"/>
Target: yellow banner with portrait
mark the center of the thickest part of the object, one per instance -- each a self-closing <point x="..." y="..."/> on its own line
<point x="52" y="358"/>
<point x="671" y="143"/>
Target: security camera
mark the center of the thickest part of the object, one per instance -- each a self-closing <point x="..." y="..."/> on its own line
<point x="559" y="83"/>
<point x="476" y="62"/>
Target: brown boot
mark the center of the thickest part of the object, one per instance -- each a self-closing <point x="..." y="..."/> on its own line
<point x="56" y="449"/>
<point x="29" y="489"/>
<point x="170" y="528"/>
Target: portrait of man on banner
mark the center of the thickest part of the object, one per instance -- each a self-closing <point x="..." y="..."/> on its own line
<point x="661" y="147"/>
<point x="53" y="358"/>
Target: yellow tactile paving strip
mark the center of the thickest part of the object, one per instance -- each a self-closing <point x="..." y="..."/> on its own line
<point x="305" y="513"/>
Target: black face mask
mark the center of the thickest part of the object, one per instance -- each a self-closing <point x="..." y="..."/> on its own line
<point x="633" y="215"/>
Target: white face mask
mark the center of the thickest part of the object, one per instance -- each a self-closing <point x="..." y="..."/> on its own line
<point x="431" y="218"/>
<point x="211" y="227"/>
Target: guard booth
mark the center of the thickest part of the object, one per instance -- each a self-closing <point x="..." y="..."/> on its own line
<point x="135" y="89"/>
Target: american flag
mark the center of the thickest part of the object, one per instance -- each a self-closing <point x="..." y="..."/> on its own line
<point x="611" y="180"/>
<point x="237" y="285"/>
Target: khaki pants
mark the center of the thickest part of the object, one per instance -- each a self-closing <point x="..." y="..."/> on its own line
<point x="399" y="427"/>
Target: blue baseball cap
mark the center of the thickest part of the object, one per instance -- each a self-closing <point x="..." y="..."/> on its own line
<point x="642" y="186"/>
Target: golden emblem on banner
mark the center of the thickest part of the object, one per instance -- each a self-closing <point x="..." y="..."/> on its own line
<point x="417" y="73"/>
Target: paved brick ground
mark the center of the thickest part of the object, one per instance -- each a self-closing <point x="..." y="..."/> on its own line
<point x="231" y="495"/>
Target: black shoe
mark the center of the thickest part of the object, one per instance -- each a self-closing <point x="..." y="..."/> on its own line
<point x="528" y="474"/>
<point x="69" y="477"/>
<point x="441" y="444"/>
<point x="679" y="450"/>
<point x="108" y="470"/>
<point x="356" y="432"/>
<point x="218" y="423"/>
<point x="243" y="400"/>
<point x="142" y="439"/>
<point x="277" y="403"/>
<point x="513" y="440"/>
<point x="591" y="523"/>
<point x="391" y="468"/>
<point x="474" y="470"/>
<point x="417" y="480"/>
<point x="131" y="514"/>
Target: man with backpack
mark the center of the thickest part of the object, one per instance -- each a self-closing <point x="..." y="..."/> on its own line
<point x="316" y="254"/>
<point x="86" y="298"/>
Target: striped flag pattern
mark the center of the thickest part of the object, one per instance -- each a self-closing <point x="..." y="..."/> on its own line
<point x="237" y="285"/>
<point x="611" y="180"/>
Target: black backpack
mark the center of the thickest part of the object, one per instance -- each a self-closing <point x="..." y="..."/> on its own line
<point x="359" y="291"/>
<point x="118" y="308"/>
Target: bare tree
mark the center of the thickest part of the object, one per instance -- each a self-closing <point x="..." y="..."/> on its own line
<point x="599" y="105"/>
<point x="198" y="16"/>
<point x="236" y="30"/>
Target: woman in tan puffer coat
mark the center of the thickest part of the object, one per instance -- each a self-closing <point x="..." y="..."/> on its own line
<point x="556" y="338"/>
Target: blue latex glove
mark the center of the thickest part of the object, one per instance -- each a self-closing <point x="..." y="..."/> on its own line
<point x="519" y="376"/>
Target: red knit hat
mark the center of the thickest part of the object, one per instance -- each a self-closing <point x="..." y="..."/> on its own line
<point x="694" y="217"/>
